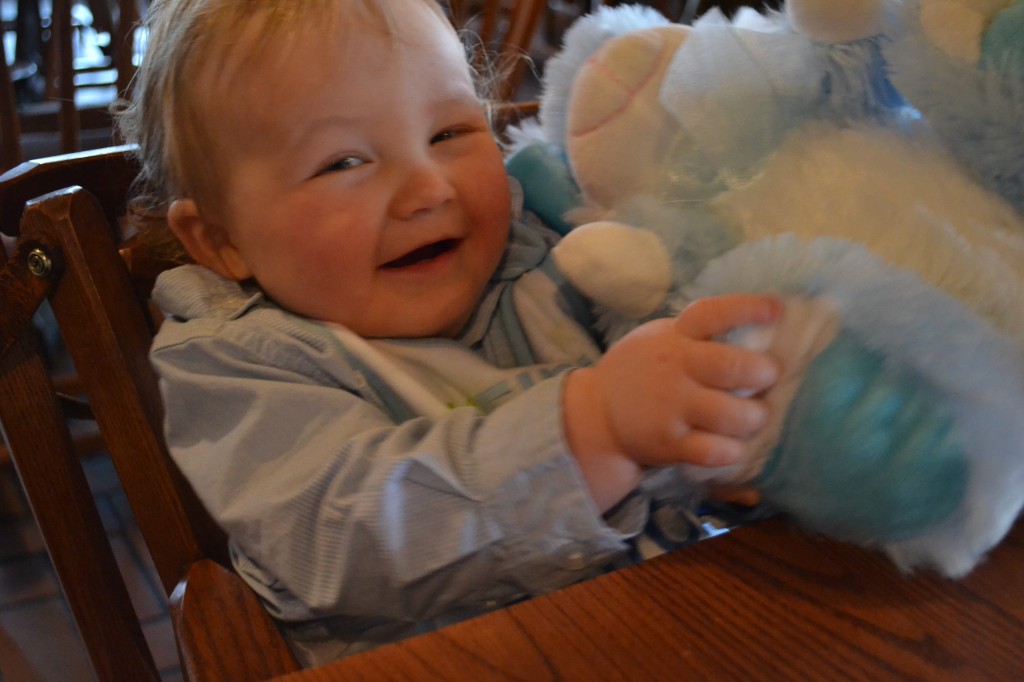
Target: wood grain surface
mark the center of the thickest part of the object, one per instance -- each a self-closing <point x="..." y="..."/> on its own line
<point x="766" y="602"/>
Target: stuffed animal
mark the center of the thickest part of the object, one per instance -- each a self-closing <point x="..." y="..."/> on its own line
<point x="787" y="152"/>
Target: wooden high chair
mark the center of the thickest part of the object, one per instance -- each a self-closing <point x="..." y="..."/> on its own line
<point x="10" y="128"/>
<point x="64" y="213"/>
<point x="69" y="252"/>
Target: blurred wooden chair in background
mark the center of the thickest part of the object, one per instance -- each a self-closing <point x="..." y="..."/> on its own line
<point x="69" y="252"/>
<point x="64" y="68"/>
<point x="10" y="128"/>
<point x="503" y="33"/>
<point x="49" y="47"/>
<point x="70" y="65"/>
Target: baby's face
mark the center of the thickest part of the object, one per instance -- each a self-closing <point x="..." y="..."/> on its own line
<point x="363" y="184"/>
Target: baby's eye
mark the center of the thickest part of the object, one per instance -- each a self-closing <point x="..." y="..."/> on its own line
<point x="342" y="164"/>
<point x="445" y="135"/>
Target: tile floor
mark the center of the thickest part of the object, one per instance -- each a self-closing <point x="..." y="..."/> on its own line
<point x="38" y="639"/>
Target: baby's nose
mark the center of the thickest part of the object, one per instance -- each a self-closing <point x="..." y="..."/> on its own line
<point x="424" y="187"/>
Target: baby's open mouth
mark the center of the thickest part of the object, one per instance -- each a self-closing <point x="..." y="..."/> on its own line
<point x="422" y="254"/>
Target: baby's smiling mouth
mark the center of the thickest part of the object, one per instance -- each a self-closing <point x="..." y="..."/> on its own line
<point x="423" y="254"/>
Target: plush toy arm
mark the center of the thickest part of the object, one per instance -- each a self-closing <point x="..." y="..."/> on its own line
<point x="867" y="452"/>
<point x="622" y="268"/>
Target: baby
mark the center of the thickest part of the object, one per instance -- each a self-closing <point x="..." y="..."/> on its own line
<point x="374" y="375"/>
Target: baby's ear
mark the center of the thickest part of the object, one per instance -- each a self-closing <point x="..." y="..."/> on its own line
<point x="207" y="243"/>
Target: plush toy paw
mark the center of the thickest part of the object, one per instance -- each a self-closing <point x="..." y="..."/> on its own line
<point x="621" y="267"/>
<point x="867" y="454"/>
<point x="619" y="85"/>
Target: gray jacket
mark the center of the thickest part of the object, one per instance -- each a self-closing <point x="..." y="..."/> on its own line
<point x="354" y="519"/>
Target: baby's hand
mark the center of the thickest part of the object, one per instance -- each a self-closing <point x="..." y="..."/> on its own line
<point x="666" y="394"/>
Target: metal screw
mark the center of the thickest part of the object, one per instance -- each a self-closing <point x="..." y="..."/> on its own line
<point x="39" y="263"/>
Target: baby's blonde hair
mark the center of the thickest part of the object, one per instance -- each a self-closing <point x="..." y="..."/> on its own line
<point x="165" y="116"/>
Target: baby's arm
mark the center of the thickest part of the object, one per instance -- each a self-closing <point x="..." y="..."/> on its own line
<point x="336" y="510"/>
<point x="666" y="394"/>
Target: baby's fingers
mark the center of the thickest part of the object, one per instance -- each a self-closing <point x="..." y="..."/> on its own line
<point x="717" y="365"/>
<point x="716" y="315"/>
<point x="726" y="414"/>
<point x="706" y="449"/>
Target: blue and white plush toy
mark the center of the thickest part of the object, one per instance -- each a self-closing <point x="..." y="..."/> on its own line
<point x="865" y="160"/>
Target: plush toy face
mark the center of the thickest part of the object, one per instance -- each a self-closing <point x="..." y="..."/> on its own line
<point x="684" y="115"/>
<point x="628" y="99"/>
<point x="707" y="104"/>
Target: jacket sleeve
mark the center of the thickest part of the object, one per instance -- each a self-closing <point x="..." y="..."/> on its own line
<point x="334" y="510"/>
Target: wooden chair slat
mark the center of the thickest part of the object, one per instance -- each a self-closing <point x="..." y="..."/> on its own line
<point x="223" y="632"/>
<point x="55" y="484"/>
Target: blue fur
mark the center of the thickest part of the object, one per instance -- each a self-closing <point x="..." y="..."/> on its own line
<point x="922" y="333"/>
<point x="867" y="455"/>
<point x="856" y="84"/>
<point x="548" y="186"/>
<point x="1002" y="47"/>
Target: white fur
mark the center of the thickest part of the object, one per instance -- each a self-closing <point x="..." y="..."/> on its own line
<point x="855" y="183"/>
<point x="522" y="135"/>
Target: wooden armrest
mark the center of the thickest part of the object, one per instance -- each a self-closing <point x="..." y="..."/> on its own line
<point x="223" y="631"/>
